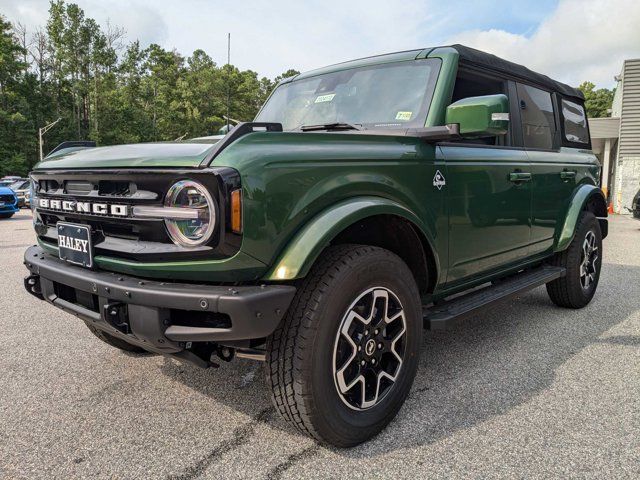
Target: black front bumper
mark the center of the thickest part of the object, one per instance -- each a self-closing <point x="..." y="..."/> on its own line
<point x="162" y="317"/>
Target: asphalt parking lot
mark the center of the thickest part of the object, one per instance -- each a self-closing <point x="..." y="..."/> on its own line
<point x="526" y="390"/>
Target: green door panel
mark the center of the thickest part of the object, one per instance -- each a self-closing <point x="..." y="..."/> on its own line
<point x="309" y="242"/>
<point x="566" y="231"/>
<point x="489" y="208"/>
<point x="555" y="178"/>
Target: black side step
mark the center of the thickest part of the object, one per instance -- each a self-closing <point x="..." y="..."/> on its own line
<point x="446" y="314"/>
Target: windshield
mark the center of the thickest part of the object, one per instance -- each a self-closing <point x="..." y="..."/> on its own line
<point x="378" y="96"/>
<point x="19" y="185"/>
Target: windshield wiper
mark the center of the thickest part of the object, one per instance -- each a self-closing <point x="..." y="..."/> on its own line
<point x="330" y="126"/>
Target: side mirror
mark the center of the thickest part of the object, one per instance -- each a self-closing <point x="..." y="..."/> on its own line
<point x="485" y="116"/>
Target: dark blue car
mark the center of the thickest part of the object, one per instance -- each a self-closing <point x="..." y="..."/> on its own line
<point x="8" y="202"/>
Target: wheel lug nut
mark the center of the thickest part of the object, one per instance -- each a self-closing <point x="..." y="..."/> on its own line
<point x="359" y="347"/>
<point x="373" y="361"/>
<point x="366" y="332"/>
<point x="379" y="346"/>
<point x="362" y="362"/>
<point x="376" y="331"/>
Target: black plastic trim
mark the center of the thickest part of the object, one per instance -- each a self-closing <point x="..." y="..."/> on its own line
<point x="448" y="313"/>
<point x="255" y="310"/>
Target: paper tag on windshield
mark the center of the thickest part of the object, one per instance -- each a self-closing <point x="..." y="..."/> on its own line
<point x="404" y="115"/>
<point x="325" y="98"/>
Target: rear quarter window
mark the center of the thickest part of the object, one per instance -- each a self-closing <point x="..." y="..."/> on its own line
<point x="574" y="122"/>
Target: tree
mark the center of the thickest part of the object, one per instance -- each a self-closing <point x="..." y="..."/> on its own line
<point x="267" y="85"/>
<point x="15" y="129"/>
<point x="109" y="92"/>
<point x="597" y="102"/>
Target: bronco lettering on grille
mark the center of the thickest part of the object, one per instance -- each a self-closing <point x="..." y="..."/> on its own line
<point x="84" y="207"/>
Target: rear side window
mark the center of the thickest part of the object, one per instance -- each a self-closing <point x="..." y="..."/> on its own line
<point x="575" y="122"/>
<point x="536" y="112"/>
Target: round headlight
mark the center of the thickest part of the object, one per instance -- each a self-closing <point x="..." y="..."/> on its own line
<point x="199" y="215"/>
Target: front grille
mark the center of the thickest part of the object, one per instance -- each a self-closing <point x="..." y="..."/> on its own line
<point x="7" y="198"/>
<point x="141" y="239"/>
<point x="98" y="188"/>
<point x="78" y="187"/>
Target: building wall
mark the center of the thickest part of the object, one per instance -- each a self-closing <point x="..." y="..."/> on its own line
<point x="604" y="143"/>
<point x="628" y="158"/>
<point x="616" y="106"/>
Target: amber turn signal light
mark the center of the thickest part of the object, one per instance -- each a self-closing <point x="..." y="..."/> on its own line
<point x="236" y="211"/>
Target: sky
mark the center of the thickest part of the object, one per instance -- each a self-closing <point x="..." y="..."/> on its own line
<point x="569" y="40"/>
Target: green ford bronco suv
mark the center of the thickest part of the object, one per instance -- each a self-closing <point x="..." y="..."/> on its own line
<point x="368" y="200"/>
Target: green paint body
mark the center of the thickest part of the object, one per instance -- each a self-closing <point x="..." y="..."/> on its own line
<point x="300" y="190"/>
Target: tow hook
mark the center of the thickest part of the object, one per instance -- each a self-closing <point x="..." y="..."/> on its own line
<point x="116" y="313"/>
<point x="32" y="285"/>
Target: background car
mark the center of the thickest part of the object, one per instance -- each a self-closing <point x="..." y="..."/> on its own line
<point x="8" y="202"/>
<point x="635" y="206"/>
<point x="22" y="190"/>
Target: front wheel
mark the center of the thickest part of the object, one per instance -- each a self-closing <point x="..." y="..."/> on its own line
<point x="344" y="358"/>
<point x="582" y="261"/>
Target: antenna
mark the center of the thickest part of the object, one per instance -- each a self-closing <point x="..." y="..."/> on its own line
<point x="228" y="79"/>
<point x="43" y="130"/>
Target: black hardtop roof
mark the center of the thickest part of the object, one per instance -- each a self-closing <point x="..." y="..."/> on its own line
<point x="482" y="59"/>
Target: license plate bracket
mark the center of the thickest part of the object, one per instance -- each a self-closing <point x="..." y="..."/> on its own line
<point x="74" y="244"/>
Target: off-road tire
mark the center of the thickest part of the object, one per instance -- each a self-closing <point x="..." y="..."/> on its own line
<point x="568" y="291"/>
<point x="300" y="363"/>
<point x="115" y="342"/>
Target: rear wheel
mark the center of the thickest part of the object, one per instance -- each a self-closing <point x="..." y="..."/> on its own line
<point x="115" y="342"/>
<point x="343" y="360"/>
<point x="582" y="261"/>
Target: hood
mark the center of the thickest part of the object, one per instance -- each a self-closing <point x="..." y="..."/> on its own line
<point x="140" y="155"/>
<point x="6" y="191"/>
<point x="259" y="154"/>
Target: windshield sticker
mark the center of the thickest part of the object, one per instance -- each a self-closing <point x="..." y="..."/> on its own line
<point x="404" y="115"/>
<point x="325" y="98"/>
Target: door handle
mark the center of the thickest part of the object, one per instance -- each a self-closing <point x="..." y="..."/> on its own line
<point x="567" y="175"/>
<point x="517" y="177"/>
